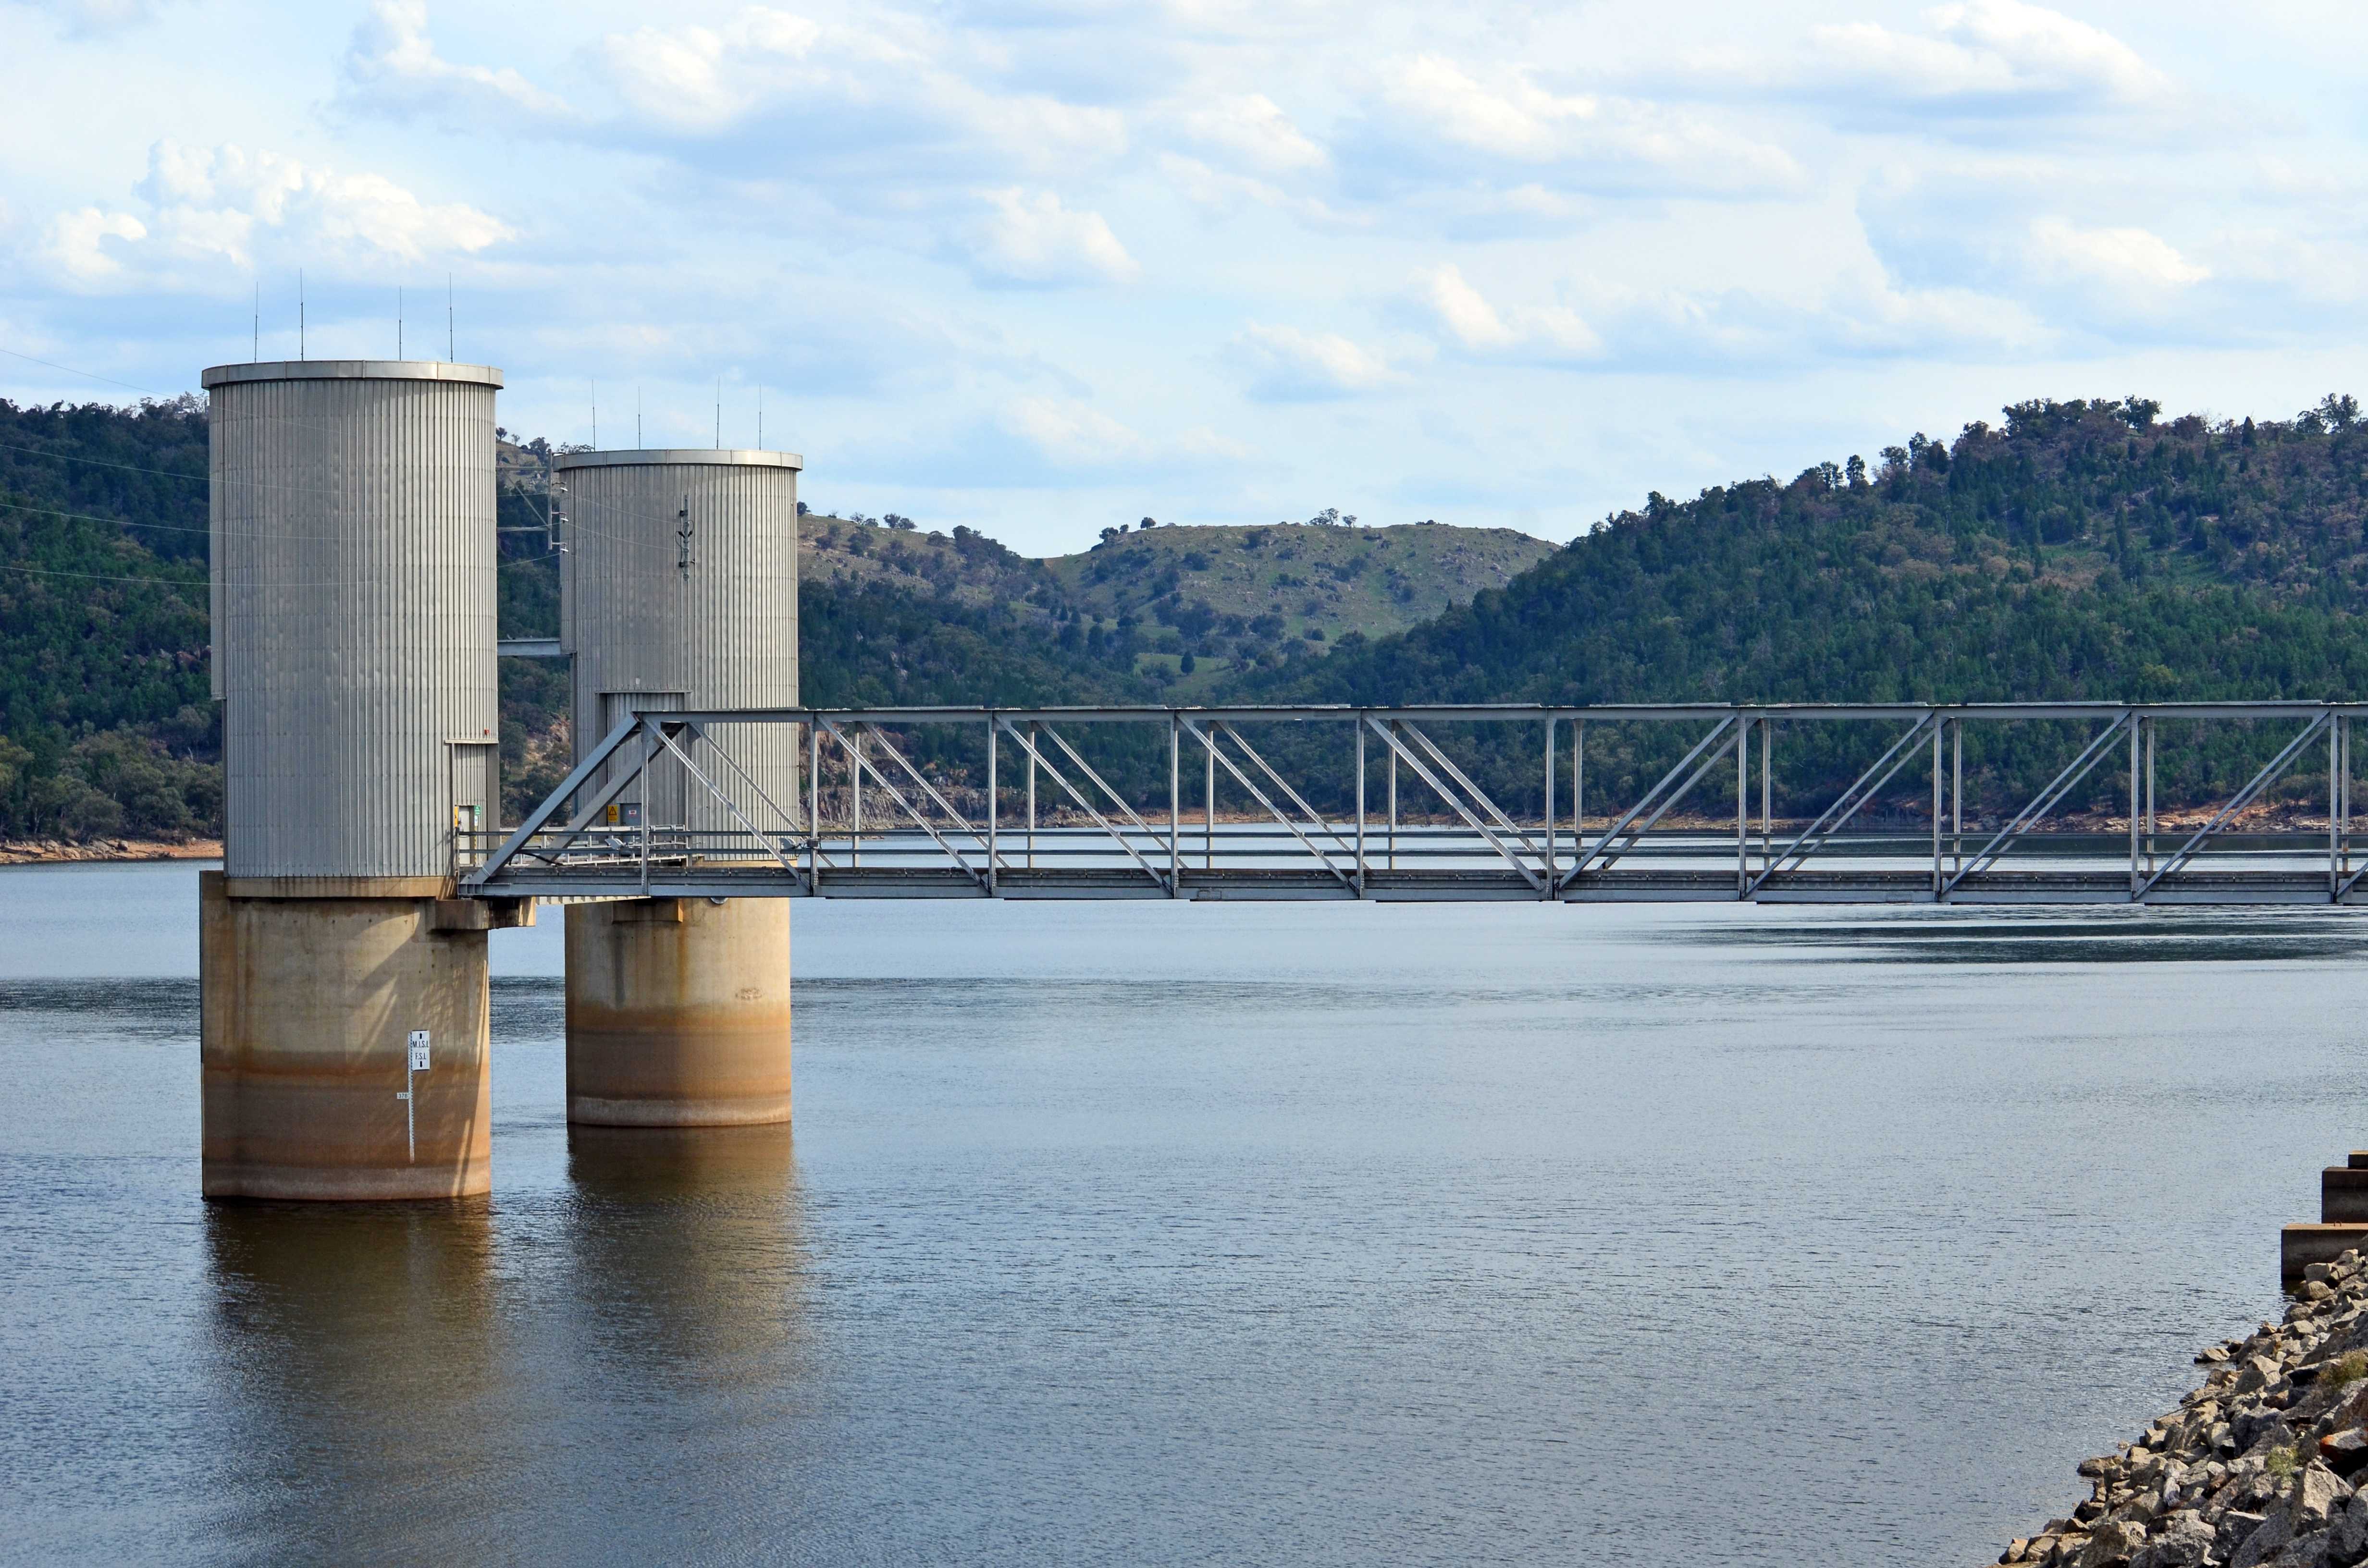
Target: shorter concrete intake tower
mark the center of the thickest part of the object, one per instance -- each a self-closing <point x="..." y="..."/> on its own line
<point x="680" y="592"/>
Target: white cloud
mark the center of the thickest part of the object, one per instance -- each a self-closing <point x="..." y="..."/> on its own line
<point x="819" y="101"/>
<point x="217" y="208"/>
<point x="1283" y="364"/>
<point x="96" y="19"/>
<point x="2127" y="258"/>
<point x="1551" y="332"/>
<point x="1993" y="50"/>
<point x="1034" y="242"/>
<point x="1497" y="114"/>
<point x="1909" y="220"/>
<point x="392" y="67"/>
<point x="1073" y="434"/>
<point x="1251" y="129"/>
<point x="702" y="80"/>
<point x="74" y="244"/>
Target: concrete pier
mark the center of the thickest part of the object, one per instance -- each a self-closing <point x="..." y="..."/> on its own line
<point x="308" y="1008"/>
<point x="679" y="1012"/>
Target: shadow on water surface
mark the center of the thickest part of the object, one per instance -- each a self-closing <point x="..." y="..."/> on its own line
<point x="356" y="1364"/>
<point x="575" y="1375"/>
<point x="688" y="1240"/>
<point x="2069" y="936"/>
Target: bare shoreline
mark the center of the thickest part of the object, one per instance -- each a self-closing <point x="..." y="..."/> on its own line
<point x="56" y="852"/>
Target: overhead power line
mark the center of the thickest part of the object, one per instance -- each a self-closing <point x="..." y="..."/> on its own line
<point x="70" y="370"/>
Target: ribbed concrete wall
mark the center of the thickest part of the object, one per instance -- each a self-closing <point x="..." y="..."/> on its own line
<point x="720" y="632"/>
<point x="353" y="612"/>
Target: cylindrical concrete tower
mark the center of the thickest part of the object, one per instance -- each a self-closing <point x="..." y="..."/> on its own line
<point x="680" y="590"/>
<point x="353" y="654"/>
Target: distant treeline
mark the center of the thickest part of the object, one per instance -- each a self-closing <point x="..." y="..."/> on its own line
<point x="2080" y="550"/>
<point x="2083" y="551"/>
<point x="106" y="724"/>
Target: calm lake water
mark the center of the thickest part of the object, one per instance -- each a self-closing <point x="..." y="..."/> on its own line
<point x="1162" y="1234"/>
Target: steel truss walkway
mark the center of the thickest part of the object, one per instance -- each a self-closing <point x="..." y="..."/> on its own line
<point x="889" y="827"/>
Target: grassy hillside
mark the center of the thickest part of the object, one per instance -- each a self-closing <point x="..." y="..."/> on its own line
<point x="1226" y="595"/>
<point x="1160" y="614"/>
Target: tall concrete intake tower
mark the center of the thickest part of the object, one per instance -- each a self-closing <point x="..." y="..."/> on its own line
<point x="680" y="591"/>
<point x="344" y="992"/>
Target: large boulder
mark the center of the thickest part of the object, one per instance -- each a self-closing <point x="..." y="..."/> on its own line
<point x="2317" y="1495"/>
<point x="2348" y="1537"/>
<point x="2112" y="1544"/>
<point x="2180" y="1541"/>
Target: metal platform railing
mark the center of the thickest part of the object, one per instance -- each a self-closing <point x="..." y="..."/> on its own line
<point x="1024" y="811"/>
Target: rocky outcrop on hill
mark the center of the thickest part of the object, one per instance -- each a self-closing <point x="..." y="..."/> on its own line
<point x="2256" y="1468"/>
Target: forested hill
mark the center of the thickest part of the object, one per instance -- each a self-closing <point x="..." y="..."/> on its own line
<point x="106" y="722"/>
<point x="2080" y="550"/>
<point x="2084" y="549"/>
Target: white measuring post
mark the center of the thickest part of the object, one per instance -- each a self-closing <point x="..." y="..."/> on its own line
<point x="417" y="1064"/>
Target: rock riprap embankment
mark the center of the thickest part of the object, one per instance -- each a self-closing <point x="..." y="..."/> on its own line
<point x="2254" y="1469"/>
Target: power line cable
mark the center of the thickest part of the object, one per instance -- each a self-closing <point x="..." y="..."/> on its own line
<point x="653" y="546"/>
<point x="70" y="370"/>
<point x="159" y="582"/>
<point x="610" y="508"/>
<point x="101" y="462"/>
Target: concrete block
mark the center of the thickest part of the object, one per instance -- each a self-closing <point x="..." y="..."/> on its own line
<point x="2343" y="1196"/>
<point x="2299" y="1246"/>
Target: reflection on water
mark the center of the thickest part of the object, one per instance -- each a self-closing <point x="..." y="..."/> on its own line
<point x="2024" y="936"/>
<point x="357" y="1356"/>
<point x="450" y="1376"/>
<point x="687" y="1246"/>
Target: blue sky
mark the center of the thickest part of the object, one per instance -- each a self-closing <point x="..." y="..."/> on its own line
<point x="1042" y="268"/>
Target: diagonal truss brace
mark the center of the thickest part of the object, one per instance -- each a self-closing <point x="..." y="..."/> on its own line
<point x="1027" y="748"/>
<point x="814" y="850"/>
<point x="1848" y="804"/>
<point x="1208" y="738"/>
<point x="2046" y="800"/>
<point x="1633" y="834"/>
<point x="2236" y="803"/>
<point x="920" y="780"/>
<point x="865" y="765"/>
<point x="537" y="819"/>
<point x="1313" y="816"/>
<point x="691" y="767"/>
<point x="1447" y="765"/>
<point x="789" y="818"/>
<point x="1452" y="798"/>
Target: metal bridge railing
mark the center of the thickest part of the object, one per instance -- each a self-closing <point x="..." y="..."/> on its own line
<point x="1072" y="802"/>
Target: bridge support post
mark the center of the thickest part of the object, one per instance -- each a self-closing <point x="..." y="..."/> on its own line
<point x="308" y="1007"/>
<point x="679" y="1012"/>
